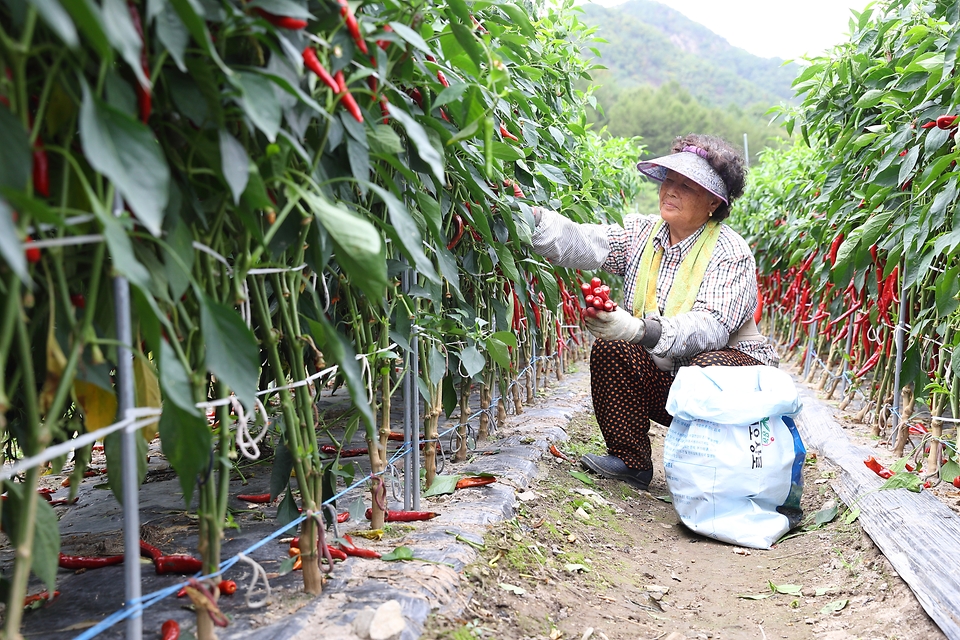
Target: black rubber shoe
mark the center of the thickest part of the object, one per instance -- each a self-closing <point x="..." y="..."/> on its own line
<point x="614" y="467"/>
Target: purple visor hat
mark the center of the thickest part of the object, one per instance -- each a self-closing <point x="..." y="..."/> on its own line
<point x="690" y="162"/>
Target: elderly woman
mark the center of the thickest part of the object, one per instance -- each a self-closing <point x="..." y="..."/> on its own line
<point x="689" y="296"/>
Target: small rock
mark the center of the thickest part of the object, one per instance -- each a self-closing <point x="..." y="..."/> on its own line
<point x="810" y="621"/>
<point x="388" y="621"/>
<point x="676" y="635"/>
<point x="361" y="623"/>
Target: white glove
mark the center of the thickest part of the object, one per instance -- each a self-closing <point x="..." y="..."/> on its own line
<point x="615" y="325"/>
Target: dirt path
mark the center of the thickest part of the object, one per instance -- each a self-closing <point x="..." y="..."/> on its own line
<point x="607" y="562"/>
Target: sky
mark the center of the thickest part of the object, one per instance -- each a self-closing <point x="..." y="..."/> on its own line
<point x="771" y="28"/>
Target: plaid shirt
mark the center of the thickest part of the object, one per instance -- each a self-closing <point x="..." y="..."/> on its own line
<point x="727" y="295"/>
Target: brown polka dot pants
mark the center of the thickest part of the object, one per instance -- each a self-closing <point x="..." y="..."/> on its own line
<point x="629" y="390"/>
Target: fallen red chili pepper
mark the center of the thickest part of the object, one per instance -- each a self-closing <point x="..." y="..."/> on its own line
<point x="170" y="630"/>
<point x="258" y="498"/>
<point x="352" y="550"/>
<point x="88" y="562"/>
<point x="475" y="481"/>
<point x="875" y="466"/>
<point x="312" y="62"/>
<point x="177" y="564"/>
<point x="343" y="517"/>
<point x="336" y="554"/>
<point x="227" y="587"/>
<point x="404" y="516"/>
<point x="559" y="454"/>
<point x="37" y="597"/>
<point x="352" y="26"/>
<point x="150" y="551"/>
<point x="284" y="22"/>
<point x="956" y="481"/>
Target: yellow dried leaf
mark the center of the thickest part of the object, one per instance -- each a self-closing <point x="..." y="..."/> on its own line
<point x="146" y="392"/>
<point x="56" y="363"/>
<point x="99" y="405"/>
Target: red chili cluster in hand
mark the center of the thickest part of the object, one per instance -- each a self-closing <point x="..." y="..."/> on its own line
<point x="597" y="296"/>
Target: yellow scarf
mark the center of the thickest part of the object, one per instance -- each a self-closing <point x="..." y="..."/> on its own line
<point x="686" y="284"/>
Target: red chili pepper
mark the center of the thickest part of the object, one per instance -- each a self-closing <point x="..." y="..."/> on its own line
<point x="336" y="554"/>
<point x="459" y="228"/>
<point x="284" y="22"/>
<point x="517" y="191"/>
<point x="870" y="363"/>
<point x="929" y="125"/>
<point x="956" y="481"/>
<point x="404" y="516"/>
<point x="37" y="597"/>
<point x="352" y="26"/>
<point x="475" y="481"/>
<point x="150" y="551"/>
<point x="259" y="498"/>
<point x="177" y="564"/>
<point x="77" y="300"/>
<point x="349" y="103"/>
<point x="383" y="44"/>
<point x="170" y="630"/>
<point x="41" y="169"/>
<point x="88" y="562"/>
<point x="442" y="78"/>
<point x="352" y="550"/>
<point x="227" y="587"/>
<point x="835" y="247"/>
<point x="144" y="96"/>
<point x="946" y="121"/>
<point x="758" y="312"/>
<point x="344" y="453"/>
<point x="312" y="62"/>
<point x="875" y="466"/>
<point x="506" y="134"/>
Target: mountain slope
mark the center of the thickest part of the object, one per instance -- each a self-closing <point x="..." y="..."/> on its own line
<point x="649" y="43"/>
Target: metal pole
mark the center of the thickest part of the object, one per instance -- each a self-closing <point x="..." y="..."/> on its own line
<point x="846" y="361"/>
<point x="746" y="152"/>
<point x="898" y="340"/>
<point x="130" y="479"/>
<point x="409" y="385"/>
<point x="811" y="345"/>
<point x="415" y="453"/>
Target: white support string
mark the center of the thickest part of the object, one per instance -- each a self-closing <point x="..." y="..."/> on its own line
<point x="66" y="241"/>
<point x="149" y="416"/>
<point x="246" y="443"/>
<point x="265" y="271"/>
<point x="258" y="575"/>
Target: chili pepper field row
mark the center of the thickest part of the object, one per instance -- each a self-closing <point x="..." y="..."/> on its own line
<point x="855" y="229"/>
<point x="286" y="184"/>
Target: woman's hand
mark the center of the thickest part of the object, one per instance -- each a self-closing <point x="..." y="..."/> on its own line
<point x="615" y="325"/>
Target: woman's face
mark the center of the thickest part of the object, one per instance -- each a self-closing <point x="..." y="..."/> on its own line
<point x="684" y="205"/>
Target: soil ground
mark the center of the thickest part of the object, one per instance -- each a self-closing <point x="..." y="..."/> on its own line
<point x="603" y="561"/>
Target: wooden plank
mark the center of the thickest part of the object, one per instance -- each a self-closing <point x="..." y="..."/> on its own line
<point x="918" y="534"/>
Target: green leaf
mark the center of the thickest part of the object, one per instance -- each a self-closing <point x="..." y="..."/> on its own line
<point x="11" y="249"/>
<point x="384" y="140"/>
<point x="466" y="38"/>
<point x="235" y="163"/>
<point x="280" y="470"/>
<point x="473" y="361"/>
<point x="825" y="516"/>
<point x="17" y="157"/>
<point x="407" y="232"/>
<point x="411" y="36"/>
<point x="442" y="485"/>
<point x="286" y="565"/>
<point x="86" y="15"/>
<point x="749" y="596"/>
<point x="949" y="471"/>
<point x="359" y="245"/>
<point x="113" y="450"/>
<point x="173" y="35"/>
<point x="259" y="102"/>
<point x="174" y="381"/>
<point x="400" y="553"/>
<point x="428" y="153"/>
<point x="870" y="99"/>
<point x="506" y="152"/>
<point x="497" y="349"/>
<point x="287" y="512"/>
<point x="192" y="16"/>
<point x="232" y="352"/>
<point x="283" y="8"/>
<point x="584" y="478"/>
<point x="454" y="92"/>
<point x="851" y="516"/>
<point x="343" y="354"/>
<point x="127" y="153"/>
<point x="552" y="174"/>
<point x="186" y="442"/>
<point x="46" y="545"/>
<point x="786" y="589"/>
<point x="58" y="20"/>
<point x="908" y="481"/>
<point x="121" y="251"/>
<point x="833" y="607"/>
<point x="121" y="33"/>
<point x="518" y="17"/>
